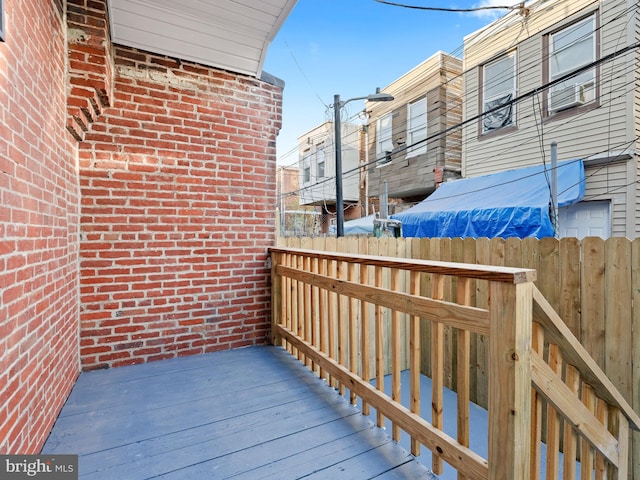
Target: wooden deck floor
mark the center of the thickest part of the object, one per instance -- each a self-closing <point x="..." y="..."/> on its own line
<point x="245" y="414"/>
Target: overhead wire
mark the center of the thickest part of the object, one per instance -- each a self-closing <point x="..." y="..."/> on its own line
<point x="522" y="70"/>
<point x="355" y="170"/>
<point x="373" y="162"/>
<point x="488" y="30"/>
<point x="453" y="10"/>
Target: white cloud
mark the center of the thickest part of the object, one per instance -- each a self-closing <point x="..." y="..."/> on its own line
<point x="494" y="13"/>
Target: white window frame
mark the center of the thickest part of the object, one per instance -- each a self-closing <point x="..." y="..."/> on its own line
<point x="508" y="94"/>
<point x="417" y="128"/>
<point x="584" y="85"/>
<point x="384" y="132"/>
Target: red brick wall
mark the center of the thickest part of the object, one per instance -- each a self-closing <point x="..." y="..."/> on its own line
<point x="38" y="227"/>
<point x="90" y="63"/>
<point x="178" y="201"/>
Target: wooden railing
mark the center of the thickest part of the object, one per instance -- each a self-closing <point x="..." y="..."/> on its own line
<point x="329" y="310"/>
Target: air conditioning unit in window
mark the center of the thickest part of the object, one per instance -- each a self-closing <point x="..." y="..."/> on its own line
<point x="571" y="96"/>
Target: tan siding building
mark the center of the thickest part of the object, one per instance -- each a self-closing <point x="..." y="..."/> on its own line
<point x="542" y="75"/>
<point x="406" y="147"/>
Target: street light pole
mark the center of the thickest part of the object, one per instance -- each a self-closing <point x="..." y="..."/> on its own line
<point x="337" y="107"/>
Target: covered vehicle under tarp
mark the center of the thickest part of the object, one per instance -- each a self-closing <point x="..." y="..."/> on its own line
<point x="513" y="203"/>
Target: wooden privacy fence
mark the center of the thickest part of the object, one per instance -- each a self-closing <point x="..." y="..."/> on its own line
<point x="352" y="317"/>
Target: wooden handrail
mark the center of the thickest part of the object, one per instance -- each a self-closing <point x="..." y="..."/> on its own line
<point x="464" y="270"/>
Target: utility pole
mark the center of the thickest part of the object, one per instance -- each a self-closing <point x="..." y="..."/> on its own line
<point x="554" y="190"/>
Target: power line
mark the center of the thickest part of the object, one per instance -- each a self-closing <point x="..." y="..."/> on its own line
<point x="295" y="60"/>
<point x="570" y="120"/>
<point x="520" y="7"/>
<point x="357" y="169"/>
<point x="524" y="96"/>
<point x="532" y="63"/>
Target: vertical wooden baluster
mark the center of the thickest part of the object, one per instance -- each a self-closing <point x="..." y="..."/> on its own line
<point x="414" y="358"/>
<point x="332" y="307"/>
<point x="315" y="313"/>
<point x="553" y="422"/>
<point x="342" y="327"/>
<point x="601" y="415"/>
<point x="570" y="439"/>
<point x="364" y="336"/>
<point x="322" y="312"/>
<point x="395" y="352"/>
<point x="379" y="330"/>
<point x="308" y="314"/>
<point x="463" y="369"/>
<point x="294" y="305"/>
<point x="300" y="289"/>
<point x="353" y="339"/>
<point x="537" y="345"/>
<point x="437" y="368"/>
<point x="619" y="428"/>
<point x="586" y="452"/>
<point x="286" y="288"/>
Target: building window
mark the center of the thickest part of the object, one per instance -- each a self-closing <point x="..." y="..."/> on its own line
<point x="417" y="127"/>
<point x="570" y="49"/>
<point x="383" y="137"/>
<point x="499" y="88"/>
<point x="306" y="167"/>
<point x="320" y="163"/>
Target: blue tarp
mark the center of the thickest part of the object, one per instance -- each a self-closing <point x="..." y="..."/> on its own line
<point x="513" y="203"/>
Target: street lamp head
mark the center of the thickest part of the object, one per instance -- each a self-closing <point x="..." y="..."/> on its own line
<point x="380" y="97"/>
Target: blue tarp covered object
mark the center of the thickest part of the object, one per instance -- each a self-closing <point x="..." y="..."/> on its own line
<point x="513" y="203"/>
<point x="358" y="226"/>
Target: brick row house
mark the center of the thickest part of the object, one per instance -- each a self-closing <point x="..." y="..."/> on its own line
<point x="137" y="178"/>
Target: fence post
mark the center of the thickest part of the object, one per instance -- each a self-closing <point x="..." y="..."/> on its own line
<point x="510" y="307"/>
<point x="276" y="299"/>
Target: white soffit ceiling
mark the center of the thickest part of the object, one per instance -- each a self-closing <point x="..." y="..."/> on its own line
<point x="229" y="34"/>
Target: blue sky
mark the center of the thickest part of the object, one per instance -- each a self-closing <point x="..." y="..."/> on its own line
<point x="350" y="47"/>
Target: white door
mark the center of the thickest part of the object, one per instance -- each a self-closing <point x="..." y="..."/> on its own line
<point x="585" y="219"/>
